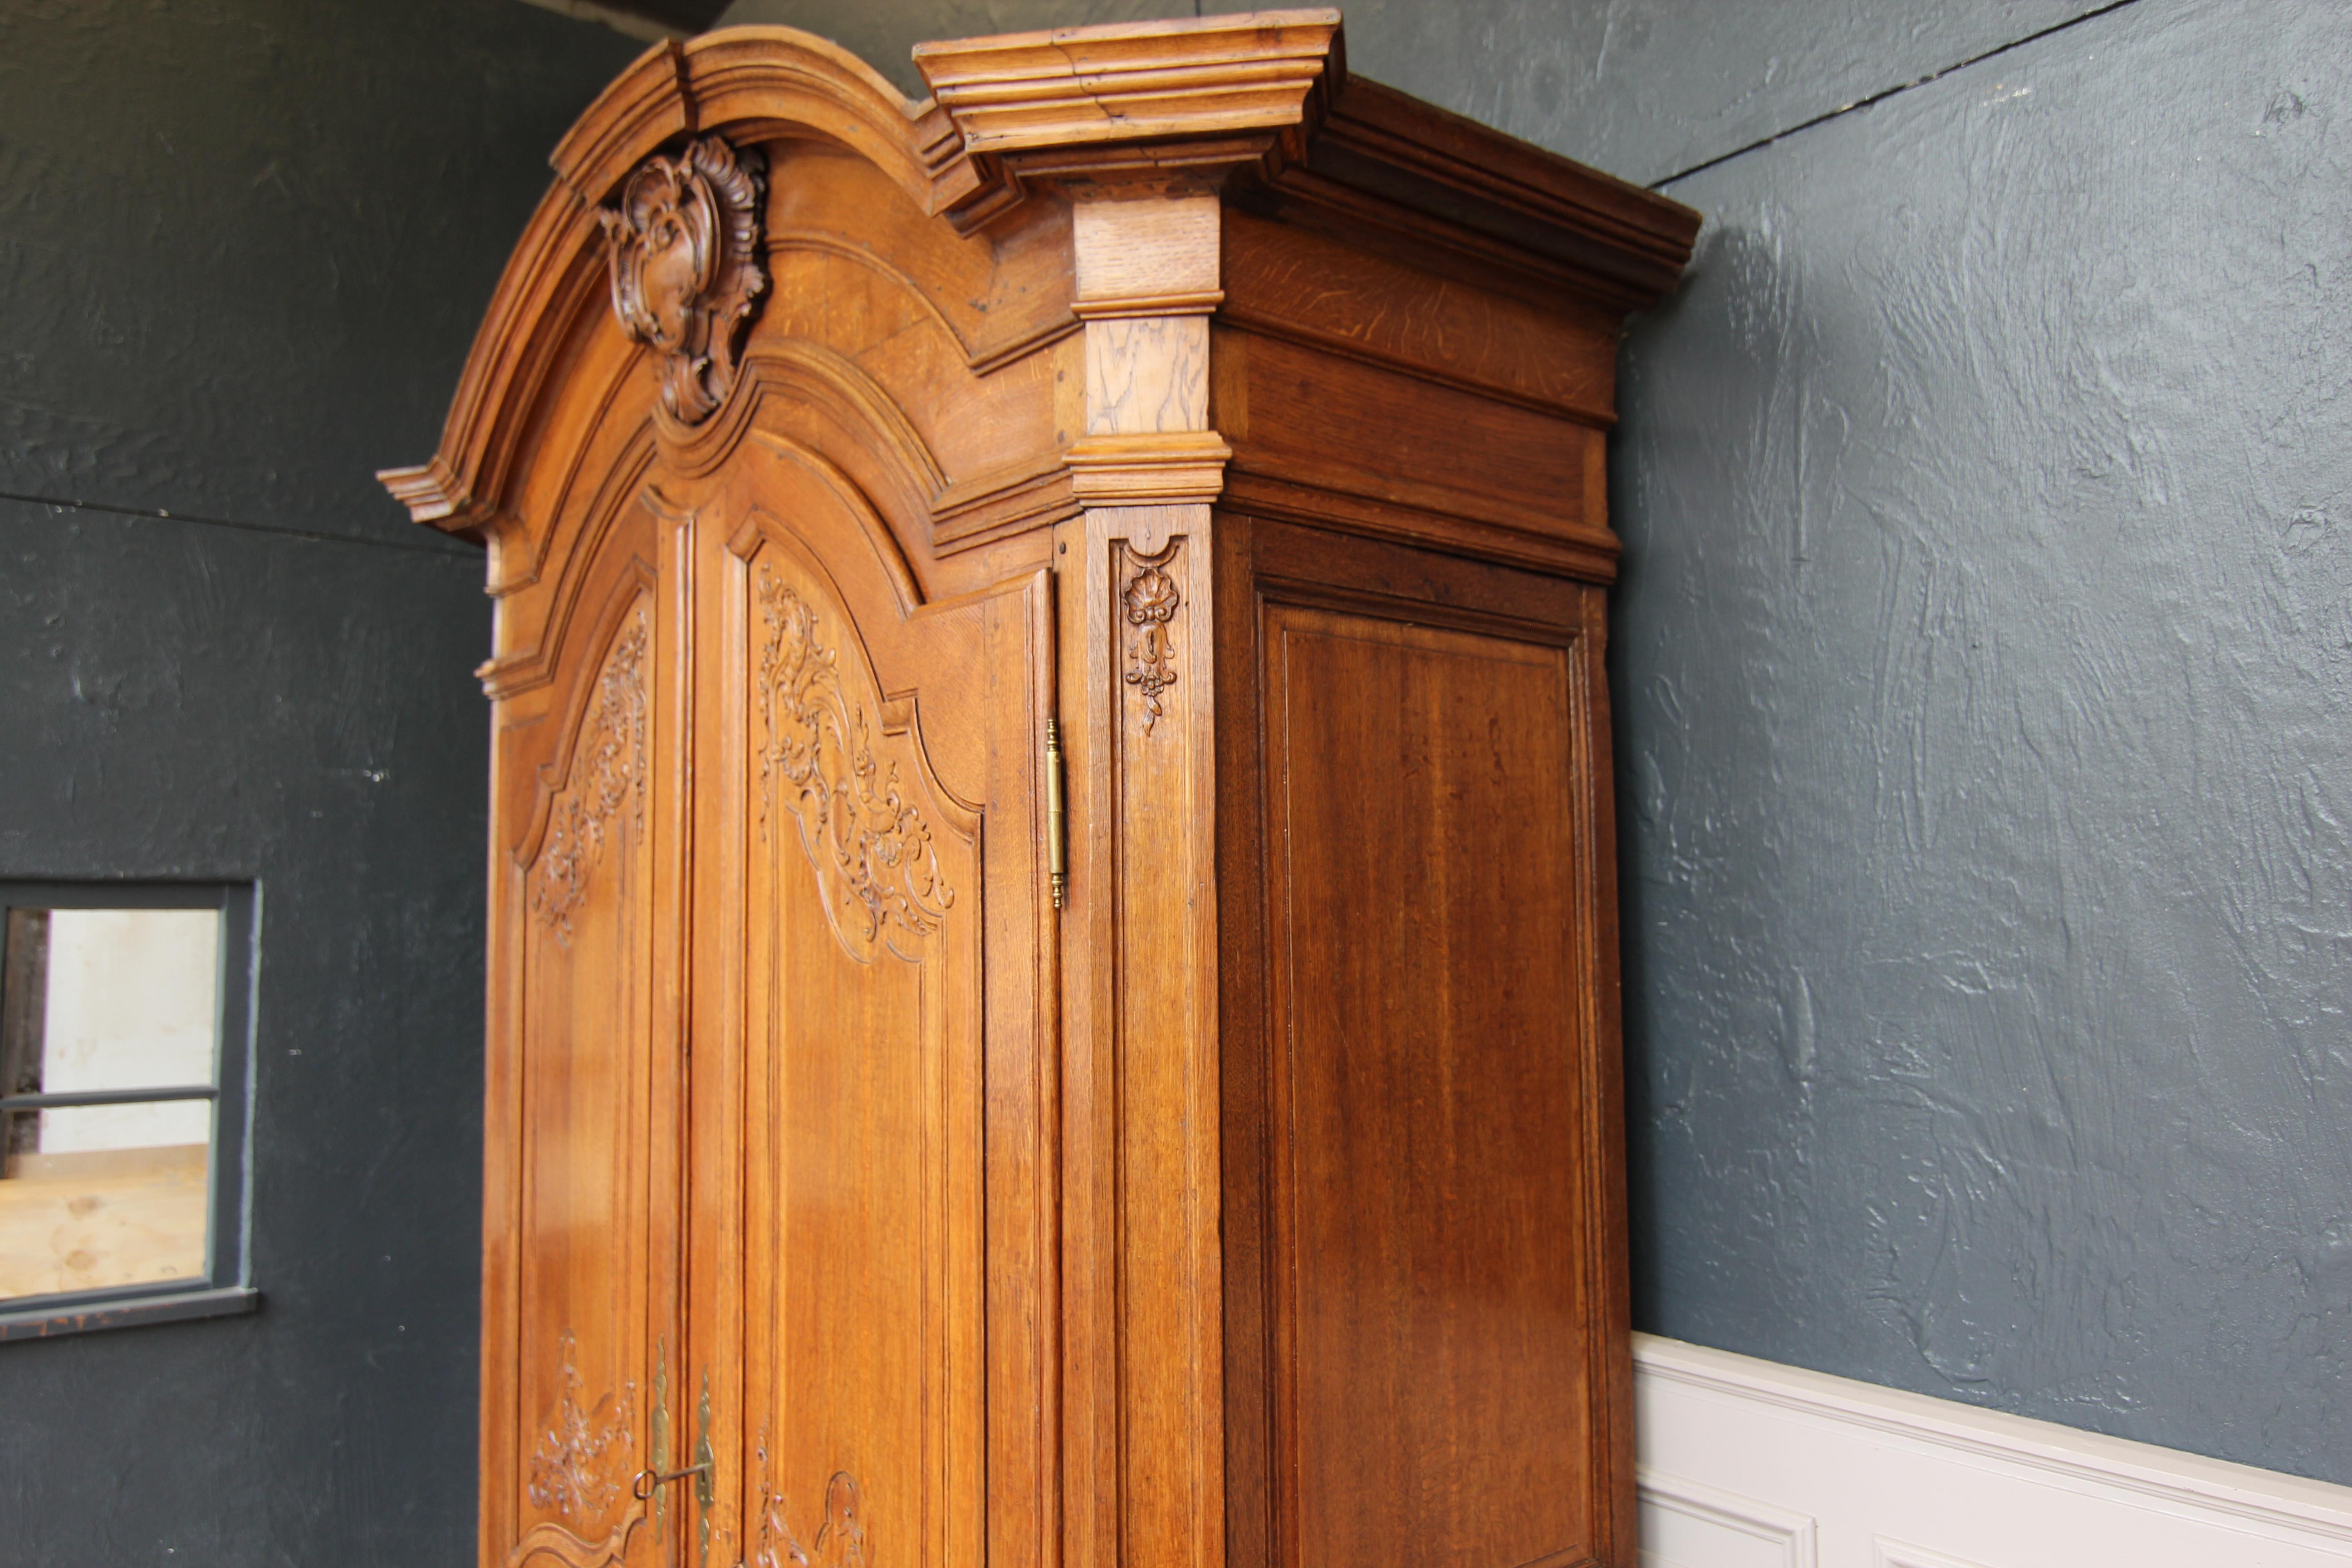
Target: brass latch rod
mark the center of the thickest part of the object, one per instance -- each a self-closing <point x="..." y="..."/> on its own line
<point x="1058" y="816"/>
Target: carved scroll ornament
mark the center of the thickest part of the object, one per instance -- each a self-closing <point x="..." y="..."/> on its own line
<point x="876" y="866"/>
<point x="608" y="772"/>
<point x="1151" y="600"/>
<point x="684" y="245"/>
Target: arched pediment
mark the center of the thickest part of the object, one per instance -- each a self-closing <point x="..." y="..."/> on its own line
<point x="745" y="86"/>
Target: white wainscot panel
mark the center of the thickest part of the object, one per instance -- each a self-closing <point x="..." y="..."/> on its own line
<point x="1689" y="1524"/>
<point x="1749" y="1463"/>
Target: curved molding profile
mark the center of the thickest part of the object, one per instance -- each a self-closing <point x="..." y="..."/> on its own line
<point x="1259" y="106"/>
<point x="805" y="372"/>
<point x="549" y="1542"/>
<point x="746" y="86"/>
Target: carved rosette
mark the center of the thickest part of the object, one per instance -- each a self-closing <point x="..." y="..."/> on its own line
<point x="608" y="772"/>
<point x="569" y="1473"/>
<point x="875" y="865"/>
<point x="1151" y="602"/>
<point x="684" y="246"/>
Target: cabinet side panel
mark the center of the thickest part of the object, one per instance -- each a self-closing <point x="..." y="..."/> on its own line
<point x="1434" y="1299"/>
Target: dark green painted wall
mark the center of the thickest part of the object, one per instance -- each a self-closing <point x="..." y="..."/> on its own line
<point x="243" y="248"/>
<point x="1986" y="727"/>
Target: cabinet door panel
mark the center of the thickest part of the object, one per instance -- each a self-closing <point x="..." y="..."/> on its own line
<point x="1435" y="1288"/>
<point x="589" y="1258"/>
<point x="862" y="1087"/>
<point x="871" y="873"/>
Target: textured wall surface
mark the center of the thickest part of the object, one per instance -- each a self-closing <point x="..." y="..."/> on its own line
<point x="243" y="248"/>
<point x="881" y="32"/>
<point x="1647" y="89"/>
<point x="1644" y="88"/>
<point x="1981" y="665"/>
<point x="1982" y="676"/>
<point x="244" y="244"/>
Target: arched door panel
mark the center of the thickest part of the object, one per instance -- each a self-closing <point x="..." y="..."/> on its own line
<point x="868" y="1119"/>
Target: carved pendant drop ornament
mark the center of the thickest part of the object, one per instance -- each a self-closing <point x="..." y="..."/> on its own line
<point x="683" y="242"/>
<point x="1151" y="600"/>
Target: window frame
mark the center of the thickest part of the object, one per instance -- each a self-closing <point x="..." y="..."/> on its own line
<point x="225" y="1288"/>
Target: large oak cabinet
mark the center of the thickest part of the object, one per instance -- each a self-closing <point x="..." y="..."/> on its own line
<point x="1053" y="991"/>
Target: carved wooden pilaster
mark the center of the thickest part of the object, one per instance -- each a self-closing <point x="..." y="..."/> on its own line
<point x="1142" y="934"/>
<point x="1140" y="962"/>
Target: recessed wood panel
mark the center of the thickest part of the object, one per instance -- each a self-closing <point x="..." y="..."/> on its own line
<point x="584" y="1336"/>
<point x="1284" y="281"/>
<point x="1313" y="417"/>
<point x="1434" y="1302"/>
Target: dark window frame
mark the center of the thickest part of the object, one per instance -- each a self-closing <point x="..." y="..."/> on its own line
<point x="226" y="1286"/>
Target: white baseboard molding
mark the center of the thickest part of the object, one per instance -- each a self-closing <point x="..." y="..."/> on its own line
<point x="1750" y="1464"/>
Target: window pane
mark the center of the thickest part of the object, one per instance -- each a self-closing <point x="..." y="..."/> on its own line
<point x="100" y="1197"/>
<point x="81" y="1210"/>
<point x="131" y="1003"/>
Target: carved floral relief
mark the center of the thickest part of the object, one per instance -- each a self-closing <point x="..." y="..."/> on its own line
<point x="1151" y="602"/>
<point x="875" y="865"/>
<point x="684" y="246"/>
<point x="570" y="1472"/>
<point x="608" y="772"/>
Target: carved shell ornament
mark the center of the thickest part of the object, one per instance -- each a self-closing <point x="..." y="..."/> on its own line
<point x="684" y="244"/>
